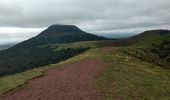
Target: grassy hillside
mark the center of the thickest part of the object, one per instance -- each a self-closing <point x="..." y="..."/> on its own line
<point x="126" y="77"/>
<point x="152" y="46"/>
<point x="146" y="39"/>
<point x="129" y="78"/>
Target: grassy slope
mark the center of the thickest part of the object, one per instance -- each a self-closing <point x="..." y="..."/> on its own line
<point x="143" y="47"/>
<point x="126" y="78"/>
<point x="150" y="37"/>
<point x="11" y="82"/>
<point x="129" y="78"/>
<point x="91" y="44"/>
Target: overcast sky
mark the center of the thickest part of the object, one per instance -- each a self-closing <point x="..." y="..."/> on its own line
<point x="22" y="19"/>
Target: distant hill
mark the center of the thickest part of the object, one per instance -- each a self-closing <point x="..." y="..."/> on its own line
<point x="6" y="46"/>
<point x="153" y="46"/>
<point x="46" y="48"/>
<point x="145" y="39"/>
<point x="59" y="34"/>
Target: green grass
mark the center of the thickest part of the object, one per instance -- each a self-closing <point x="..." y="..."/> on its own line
<point x="91" y="44"/>
<point x="129" y="78"/>
<point x="11" y="82"/>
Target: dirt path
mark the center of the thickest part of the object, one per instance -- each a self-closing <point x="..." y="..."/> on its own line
<point x="71" y="82"/>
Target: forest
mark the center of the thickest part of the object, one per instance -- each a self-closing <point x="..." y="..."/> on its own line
<point x="13" y="61"/>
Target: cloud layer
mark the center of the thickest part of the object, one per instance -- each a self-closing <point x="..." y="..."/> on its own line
<point x="97" y="16"/>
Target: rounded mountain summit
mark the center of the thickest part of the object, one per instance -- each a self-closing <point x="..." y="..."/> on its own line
<point x="60" y="34"/>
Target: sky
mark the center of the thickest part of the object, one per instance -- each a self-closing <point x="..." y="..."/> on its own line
<point x="23" y="19"/>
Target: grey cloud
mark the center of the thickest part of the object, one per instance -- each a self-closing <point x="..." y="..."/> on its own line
<point x="91" y="15"/>
<point x="14" y="34"/>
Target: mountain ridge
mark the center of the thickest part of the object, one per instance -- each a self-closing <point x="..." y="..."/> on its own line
<point x="59" y="34"/>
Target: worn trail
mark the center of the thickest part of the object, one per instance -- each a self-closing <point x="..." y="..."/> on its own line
<point x="70" y="82"/>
